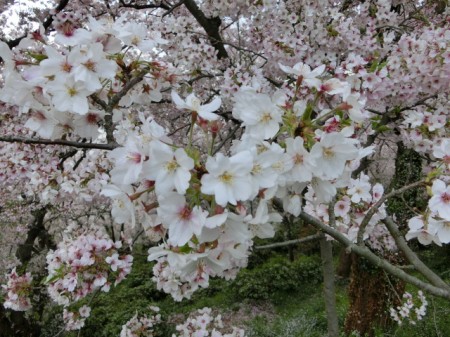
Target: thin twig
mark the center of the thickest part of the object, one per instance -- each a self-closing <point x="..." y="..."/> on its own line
<point x="291" y="242"/>
<point x="229" y="136"/>
<point x="23" y="140"/>
<point x="377" y="205"/>
<point x="178" y="4"/>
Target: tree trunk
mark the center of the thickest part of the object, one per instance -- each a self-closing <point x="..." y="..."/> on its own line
<point x="345" y="263"/>
<point x="371" y="292"/>
<point x="326" y="253"/>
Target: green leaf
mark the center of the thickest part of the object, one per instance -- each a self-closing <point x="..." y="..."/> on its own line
<point x="38" y="57"/>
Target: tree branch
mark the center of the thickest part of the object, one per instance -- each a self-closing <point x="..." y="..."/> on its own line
<point x="24" y="250"/>
<point x="291" y="242"/>
<point x="113" y="101"/>
<point x="377" y="205"/>
<point x="373" y="258"/>
<point x="10" y="139"/>
<point x="133" y="4"/>
<point x="210" y="25"/>
<point x="178" y="4"/>
<point x="411" y="256"/>
<point x="227" y="138"/>
<point x="385" y="119"/>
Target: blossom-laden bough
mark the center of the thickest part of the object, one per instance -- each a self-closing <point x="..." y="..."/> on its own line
<point x="275" y="123"/>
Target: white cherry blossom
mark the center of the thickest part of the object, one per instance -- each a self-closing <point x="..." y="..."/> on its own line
<point x="228" y="179"/>
<point x="192" y="103"/>
<point x="304" y="72"/>
<point x="169" y="168"/>
<point x="180" y="219"/>
<point x="440" y="201"/>
<point x="332" y="153"/>
<point x="260" y="114"/>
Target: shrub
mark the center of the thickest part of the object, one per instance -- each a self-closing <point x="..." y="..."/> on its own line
<point x="275" y="276"/>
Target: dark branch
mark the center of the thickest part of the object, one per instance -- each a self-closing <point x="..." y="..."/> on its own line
<point x="211" y="27"/>
<point x="109" y="125"/>
<point x="377" y="205"/>
<point x="173" y="8"/>
<point x="133" y="4"/>
<point x="9" y="139"/>
<point x="25" y="250"/>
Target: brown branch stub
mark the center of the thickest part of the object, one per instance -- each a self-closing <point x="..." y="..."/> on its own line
<point x="211" y="27"/>
<point x="11" y="139"/>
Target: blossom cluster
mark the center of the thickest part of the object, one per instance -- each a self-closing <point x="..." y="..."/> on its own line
<point x="204" y="324"/>
<point x="351" y="207"/>
<point x="410" y="311"/>
<point x="67" y="71"/>
<point x="75" y="320"/>
<point x="200" y="323"/>
<point x="141" y="326"/>
<point x="18" y="290"/>
<point x="211" y="206"/>
<point x="433" y="226"/>
<point x="303" y="112"/>
<point x="79" y="267"/>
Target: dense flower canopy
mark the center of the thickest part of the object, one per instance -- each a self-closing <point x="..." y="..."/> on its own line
<point x="197" y="128"/>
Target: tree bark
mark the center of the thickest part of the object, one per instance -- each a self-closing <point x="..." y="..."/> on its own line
<point x="326" y="253"/>
<point x="371" y="292"/>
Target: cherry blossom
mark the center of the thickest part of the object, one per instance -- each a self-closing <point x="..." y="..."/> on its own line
<point x="440" y="201"/>
<point x="181" y="220"/>
<point x="228" y="178"/>
<point x="304" y="73"/>
<point x="193" y="104"/>
<point x="259" y="112"/>
<point x="116" y="148"/>
<point x="169" y="168"/>
<point x="18" y="291"/>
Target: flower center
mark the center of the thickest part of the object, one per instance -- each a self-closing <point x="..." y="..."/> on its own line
<point x="66" y="67"/>
<point x="226" y="178"/>
<point x="135" y="157"/>
<point x="172" y="166"/>
<point x="185" y="213"/>
<point x="328" y="152"/>
<point x="445" y="197"/>
<point x="256" y="169"/>
<point x="265" y="118"/>
<point x="91" y="118"/>
<point x="135" y="40"/>
<point x="298" y="159"/>
<point x="90" y="65"/>
<point x="72" y="91"/>
<point x="195" y="104"/>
